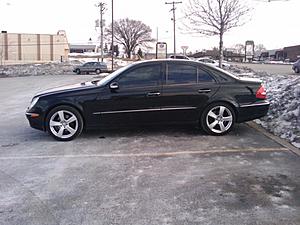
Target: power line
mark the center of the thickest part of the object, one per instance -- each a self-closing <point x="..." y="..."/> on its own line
<point x="174" y="23"/>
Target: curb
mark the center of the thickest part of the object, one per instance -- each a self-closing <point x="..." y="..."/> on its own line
<point x="278" y="140"/>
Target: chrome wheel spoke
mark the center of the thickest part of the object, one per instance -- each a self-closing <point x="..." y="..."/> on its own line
<point x="212" y="114"/>
<point x="55" y="123"/>
<point x="212" y="125"/>
<point x="228" y="118"/>
<point x="61" y="131"/>
<point x="222" y="127"/>
<point x="61" y="115"/>
<point x="70" y="129"/>
<point x="222" y="109"/>
<point x="71" y="119"/>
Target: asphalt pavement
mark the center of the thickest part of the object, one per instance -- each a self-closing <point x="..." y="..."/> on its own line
<point x="273" y="69"/>
<point x="146" y="175"/>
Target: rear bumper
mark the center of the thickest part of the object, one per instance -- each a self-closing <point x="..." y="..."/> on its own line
<point x="247" y="112"/>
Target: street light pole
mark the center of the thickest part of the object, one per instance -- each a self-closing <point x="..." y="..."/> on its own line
<point x="174" y="23"/>
<point x="102" y="9"/>
<point x="112" y="35"/>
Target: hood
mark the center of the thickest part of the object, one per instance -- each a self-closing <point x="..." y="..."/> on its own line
<point x="66" y="88"/>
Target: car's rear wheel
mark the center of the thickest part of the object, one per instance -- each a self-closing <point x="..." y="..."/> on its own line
<point x="218" y="119"/>
<point x="98" y="71"/>
<point x="64" y="123"/>
<point x="78" y="71"/>
<point x="297" y="70"/>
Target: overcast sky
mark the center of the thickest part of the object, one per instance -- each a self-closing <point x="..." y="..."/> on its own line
<point x="274" y="24"/>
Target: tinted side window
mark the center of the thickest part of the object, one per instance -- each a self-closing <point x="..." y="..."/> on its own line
<point x="143" y="76"/>
<point x="203" y="76"/>
<point x="181" y="74"/>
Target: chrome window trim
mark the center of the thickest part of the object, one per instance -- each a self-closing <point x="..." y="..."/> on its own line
<point x="144" y="110"/>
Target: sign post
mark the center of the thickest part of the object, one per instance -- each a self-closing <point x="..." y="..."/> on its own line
<point x="161" y="50"/>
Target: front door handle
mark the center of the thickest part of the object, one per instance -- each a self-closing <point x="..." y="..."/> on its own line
<point x="153" y="94"/>
<point x="204" y="91"/>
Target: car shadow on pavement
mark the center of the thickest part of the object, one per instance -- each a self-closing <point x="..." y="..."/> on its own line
<point x="168" y="130"/>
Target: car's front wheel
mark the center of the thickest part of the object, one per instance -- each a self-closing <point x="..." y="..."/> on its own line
<point x="218" y="119"/>
<point x="98" y="71"/>
<point x="78" y="71"/>
<point x="297" y="70"/>
<point x="64" y="123"/>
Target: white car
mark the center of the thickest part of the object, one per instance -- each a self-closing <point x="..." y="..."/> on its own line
<point x="213" y="62"/>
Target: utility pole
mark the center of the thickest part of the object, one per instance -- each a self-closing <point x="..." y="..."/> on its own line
<point x="101" y="5"/>
<point x="174" y="23"/>
<point x="112" y="35"/>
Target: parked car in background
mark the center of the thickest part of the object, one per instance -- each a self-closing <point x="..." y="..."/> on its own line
<point x="151" y="92"/>
<point x="91" y="67"/>
<point x="179" y="57"/>
<point x="296" y="66"/>
<point x="213" y="62"/>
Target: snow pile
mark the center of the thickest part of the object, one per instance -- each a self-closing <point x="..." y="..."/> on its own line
<point x="283" y="118"/>
<point x="37" y="69"/>
<point x="53" y="68"/>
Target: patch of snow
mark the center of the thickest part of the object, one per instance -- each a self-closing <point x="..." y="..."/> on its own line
<point x="283" y="91"/>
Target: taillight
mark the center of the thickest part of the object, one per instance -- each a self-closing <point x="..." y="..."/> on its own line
<point x="261" y="93"/>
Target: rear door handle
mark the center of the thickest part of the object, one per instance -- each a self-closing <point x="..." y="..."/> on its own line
<point x="204" y="91"/>
<point x="153" y="94"/>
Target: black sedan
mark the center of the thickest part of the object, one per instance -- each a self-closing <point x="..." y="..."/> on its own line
<point x="150" y="92"/>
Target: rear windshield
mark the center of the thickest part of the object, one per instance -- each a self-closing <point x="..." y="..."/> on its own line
<point x="219" y="70"/>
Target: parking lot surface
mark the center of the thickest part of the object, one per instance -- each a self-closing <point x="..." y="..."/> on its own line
<point x="144" y="175"/>
<point x="273" y="69"/>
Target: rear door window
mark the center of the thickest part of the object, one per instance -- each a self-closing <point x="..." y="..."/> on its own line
<point x="181" y="74"/>
<point x="204" y="76"/>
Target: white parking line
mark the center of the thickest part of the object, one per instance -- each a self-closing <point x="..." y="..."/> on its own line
<point x="148" y="154"/>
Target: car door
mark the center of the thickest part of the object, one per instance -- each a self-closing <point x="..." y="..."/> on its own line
<point x="186" y="90"/>
<point x="85" y="67"/>
<point x="133" y="97"/>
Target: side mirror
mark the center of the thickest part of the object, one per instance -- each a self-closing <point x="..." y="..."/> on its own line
<point x="114" y="86"/>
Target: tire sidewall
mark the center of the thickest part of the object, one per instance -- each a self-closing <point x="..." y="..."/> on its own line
<point x="204" y="115"/>
<point x="297" y="70"/>
<point x="98" y="71"/>
<point x="78" y="71"/>
<point x="70" y="109"/>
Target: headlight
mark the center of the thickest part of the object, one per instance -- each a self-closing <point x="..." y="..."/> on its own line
<point x="33" y="102"/>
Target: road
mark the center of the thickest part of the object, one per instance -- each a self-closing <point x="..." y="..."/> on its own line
<point x="145" y="176"/>
<point x="274" y="69"/>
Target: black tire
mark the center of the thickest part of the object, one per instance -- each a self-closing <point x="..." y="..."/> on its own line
<point x="54" y="124"/>
<point x="98" y="71"/>
<point x="297" y="70"/>
<point x="220" y="125"/>
<point x="78" y="71"/>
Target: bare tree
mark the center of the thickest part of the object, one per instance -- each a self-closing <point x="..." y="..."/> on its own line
<point x="130" y="34"/>
<point x="259" y="48"/>
<point x="240" y="48"/>
<point x="215" y="17"/>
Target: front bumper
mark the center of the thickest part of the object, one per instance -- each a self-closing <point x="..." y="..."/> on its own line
<point x="247" y="112"/>
<point x="35" y="120"/>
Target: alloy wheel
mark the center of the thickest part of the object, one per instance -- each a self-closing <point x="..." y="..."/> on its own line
<point x="63" y="124"/>
<point x="219" y="119"/>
